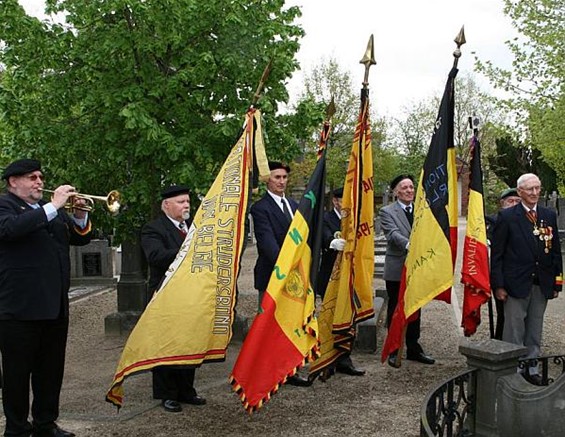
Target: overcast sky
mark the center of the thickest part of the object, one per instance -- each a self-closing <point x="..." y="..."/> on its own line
<point x="413" y="42"/>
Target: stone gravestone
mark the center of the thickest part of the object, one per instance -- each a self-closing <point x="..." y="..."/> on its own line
<point x="92" y="264"/>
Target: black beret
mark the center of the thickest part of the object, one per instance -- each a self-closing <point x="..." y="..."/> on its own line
<point x="399" y="178"/>
<point x="508" y="192"/>
<point x="338" y="192"/>
<point x="275" y="165"/>
<point x="20" y="167"/>
<point x="174" y="190"/>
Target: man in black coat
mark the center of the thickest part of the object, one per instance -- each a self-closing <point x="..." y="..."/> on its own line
<point x="332" y="244"/>
<point x="272" y="215"/>
<point x="526" y="268"/>
<point x="34" y="306"/>
<point x="508" y="198"/>
<point x="161" y="240"/>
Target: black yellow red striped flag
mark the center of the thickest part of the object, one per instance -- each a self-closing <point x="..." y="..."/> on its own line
<point x="284" y="336"/>
<point x="428" y="270"/>
<point x="475" y="267"/>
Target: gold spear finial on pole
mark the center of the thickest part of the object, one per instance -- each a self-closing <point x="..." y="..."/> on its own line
<point x="459" y="40"/>
<point x="262" y="81"/>
<point x="368" y="60"/>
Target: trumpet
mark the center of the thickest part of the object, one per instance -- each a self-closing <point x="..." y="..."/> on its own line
<point x="112" y="201"/>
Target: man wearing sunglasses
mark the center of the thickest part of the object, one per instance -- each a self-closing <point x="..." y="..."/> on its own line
<point x="34" y="306"/>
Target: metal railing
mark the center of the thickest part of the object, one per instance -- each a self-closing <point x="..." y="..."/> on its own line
<point x="550" y="367"/>
<point x="449" y="409"/>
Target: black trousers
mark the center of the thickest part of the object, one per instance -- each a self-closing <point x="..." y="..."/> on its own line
<point x="174" y="383"/>
<point x="499" y="319"/>
<point x="32" y="351"/>
<point x="413" y="328"/>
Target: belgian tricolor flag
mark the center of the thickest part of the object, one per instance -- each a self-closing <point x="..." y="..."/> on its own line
<point x="285" y="335"/>
<point x="475" y="269"/>
<point x="428" y="269"/>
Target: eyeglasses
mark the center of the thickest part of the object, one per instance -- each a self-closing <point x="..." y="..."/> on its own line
<point x="34" y="177"/>
<point x="536" y="189"/>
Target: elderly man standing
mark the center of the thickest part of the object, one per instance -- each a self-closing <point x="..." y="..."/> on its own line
<point x="526" y="268"/>
<point x="161" y="240"/>
<point x="34" y="305"/>
<point x="396" y="222"/>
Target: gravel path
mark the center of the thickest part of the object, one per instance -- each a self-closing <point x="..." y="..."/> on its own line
<point x="384" y="402"/>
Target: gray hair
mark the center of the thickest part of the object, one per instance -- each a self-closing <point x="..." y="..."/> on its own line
<point x="524" y="178"/>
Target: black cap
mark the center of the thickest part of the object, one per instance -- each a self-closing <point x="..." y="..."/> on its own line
<point x="399" y="178"/>
<point x="174" y="190"/>
<point x="275" y="165"/>
<point x="508" y="192"/>
<point x="21" y="167"/>
<point x="338" y="192"/>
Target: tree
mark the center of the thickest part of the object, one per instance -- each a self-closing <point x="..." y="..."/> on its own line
<point x="329" y="80"/>
<point x="536" y="82"/>
<point x="135" y="95"/>
<point x="411" y="134"/>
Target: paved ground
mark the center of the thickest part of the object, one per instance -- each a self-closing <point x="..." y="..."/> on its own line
<point x="385" y="402"/>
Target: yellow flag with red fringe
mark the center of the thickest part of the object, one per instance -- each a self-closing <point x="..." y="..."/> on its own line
<point x="283" y="337"/>
<point x="193" y="308"/>
<point x="349" y="294"/>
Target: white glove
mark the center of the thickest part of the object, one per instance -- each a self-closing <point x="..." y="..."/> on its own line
<point x="337" y="244"/>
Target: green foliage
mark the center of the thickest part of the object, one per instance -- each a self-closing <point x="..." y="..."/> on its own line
<point x="536" y="80"/>
<point x="329" y="80"/>
<point x="513" y="160"/>
<point x="135" y="95"/>
<point x="411" y="134"/>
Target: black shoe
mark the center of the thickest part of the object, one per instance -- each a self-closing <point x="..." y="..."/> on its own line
<point x="421" y="357"/>
<point x="52" y="432"/>
<point x="193" y="400"/>
<point x="393" y="360"/>
<point x="171" y="406"/>
<point x="535" y="379"/>
<point x="350" y="370"/>
<point x="299" y="381"/>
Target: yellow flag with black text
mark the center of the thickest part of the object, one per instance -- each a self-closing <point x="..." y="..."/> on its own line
<point x="194" y="307"/>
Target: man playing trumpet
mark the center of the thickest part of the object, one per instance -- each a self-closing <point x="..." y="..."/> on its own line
<point x="34" y="306"/>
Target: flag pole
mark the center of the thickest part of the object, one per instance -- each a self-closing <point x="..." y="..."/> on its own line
<point x="261" y="85"/>
<point x="474" y="123"/>
<point x="459" y="41"/>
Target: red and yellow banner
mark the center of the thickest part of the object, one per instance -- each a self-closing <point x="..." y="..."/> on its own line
<point x="349" y="294"/>
<point x="284" y="336"/>
<point x="193" y="309"/>
<point x="475" y="268"/>
<point x="429" y="266"/>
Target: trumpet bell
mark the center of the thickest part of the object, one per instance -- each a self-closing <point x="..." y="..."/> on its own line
<point x="112" y="201"/>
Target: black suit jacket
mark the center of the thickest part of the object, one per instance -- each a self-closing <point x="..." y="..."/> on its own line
<point x="332" y="224"/>
<point x="161" y="241"/>
<point x="34" y="261"/>
<point x="270" y="226"/>
<point x="518" y="256"/>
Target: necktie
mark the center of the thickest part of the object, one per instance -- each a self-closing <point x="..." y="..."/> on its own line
<point x="182" y="228"/>
<point x="286" y="211"/>
<point x="532" y="216"/>
<point x="409" y="214"/>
